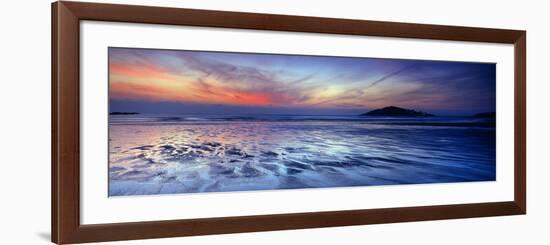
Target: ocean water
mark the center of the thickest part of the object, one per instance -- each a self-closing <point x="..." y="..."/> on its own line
<point x="164" y="154"/>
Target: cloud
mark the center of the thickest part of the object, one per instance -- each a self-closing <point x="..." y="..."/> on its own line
<point x="288" y="81"/>
<point x="388" y="76"/>
<point x="203" y="76"/>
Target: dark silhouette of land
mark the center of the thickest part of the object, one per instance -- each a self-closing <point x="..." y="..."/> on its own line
<point x="394" y="111"/>
<point x="123" y="113"/>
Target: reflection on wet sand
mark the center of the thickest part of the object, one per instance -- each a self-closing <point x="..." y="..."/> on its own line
<point x="213" y="156"/>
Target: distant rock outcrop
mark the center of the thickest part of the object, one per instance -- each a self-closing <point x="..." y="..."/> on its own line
<point x="393" y="111"/>
<point x="123" y="113"/>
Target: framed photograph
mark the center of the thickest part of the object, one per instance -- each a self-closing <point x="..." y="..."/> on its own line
<point x="176" y="122"/>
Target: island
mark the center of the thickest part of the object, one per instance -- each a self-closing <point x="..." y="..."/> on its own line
<point x="394" y="111"/>
<point x="123" y="113"/>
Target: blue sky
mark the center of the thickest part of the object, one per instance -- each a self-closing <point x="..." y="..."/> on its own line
<point x="171" y="81"/>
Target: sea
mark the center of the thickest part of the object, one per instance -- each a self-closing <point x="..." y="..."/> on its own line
<point x="151" y="154"/>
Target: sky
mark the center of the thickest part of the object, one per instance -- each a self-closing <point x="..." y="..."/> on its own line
<point x="180" y="82"/>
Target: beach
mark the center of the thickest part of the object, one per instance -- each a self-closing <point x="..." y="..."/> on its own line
<point x="168" y="154"/>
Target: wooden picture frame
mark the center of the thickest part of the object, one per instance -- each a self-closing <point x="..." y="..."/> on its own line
<point x="65" y="175"/>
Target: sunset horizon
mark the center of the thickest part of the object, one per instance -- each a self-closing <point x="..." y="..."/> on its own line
<point x="205" y="82"/>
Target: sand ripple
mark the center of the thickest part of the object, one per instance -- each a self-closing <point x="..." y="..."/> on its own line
<point x="235" y="156"/>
